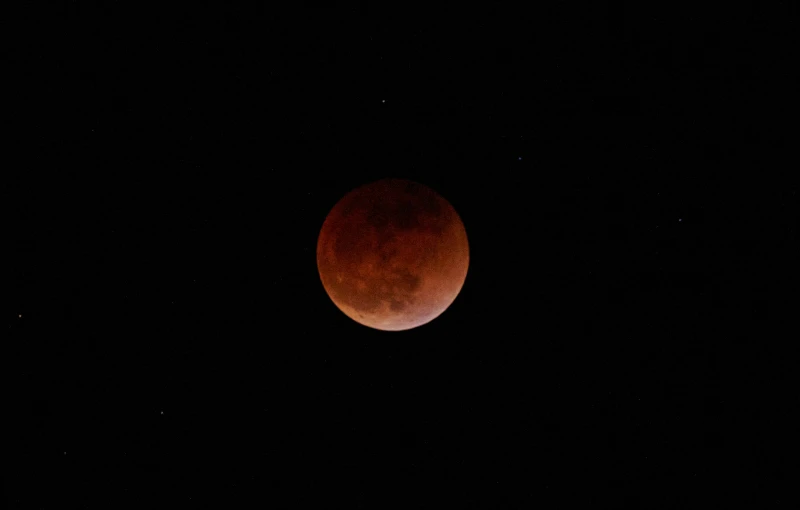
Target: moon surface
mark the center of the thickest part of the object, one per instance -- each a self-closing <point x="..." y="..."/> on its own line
<point x="393" y="254"/>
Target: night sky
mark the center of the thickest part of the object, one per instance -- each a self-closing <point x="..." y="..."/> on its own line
<point x="623" y="336"/>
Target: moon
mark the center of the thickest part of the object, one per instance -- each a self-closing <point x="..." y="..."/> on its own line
<point x="393" y="254"/>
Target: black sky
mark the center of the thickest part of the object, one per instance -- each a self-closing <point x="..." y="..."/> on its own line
<point x="622" y="339"/>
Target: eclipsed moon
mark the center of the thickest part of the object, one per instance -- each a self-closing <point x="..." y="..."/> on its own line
<point x="393" y="254"/>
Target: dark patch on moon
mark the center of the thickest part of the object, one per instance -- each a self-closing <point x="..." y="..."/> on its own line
<point x="342" y="245"/>
<point x="406" y="281"/>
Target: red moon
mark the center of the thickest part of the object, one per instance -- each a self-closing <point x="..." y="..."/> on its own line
<point x="393" y="254"/>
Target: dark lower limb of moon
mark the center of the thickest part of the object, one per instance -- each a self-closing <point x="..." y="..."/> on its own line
<point x="393" y="254"/>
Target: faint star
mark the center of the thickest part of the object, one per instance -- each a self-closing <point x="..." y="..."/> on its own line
<point x="383" y="100"/>
<point x="519" y="158"/>
<point x="680" y="219"/>
<point x="162" y="412"/>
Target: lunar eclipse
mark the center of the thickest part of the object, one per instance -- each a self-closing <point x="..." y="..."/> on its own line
<point x="393" y="254"/>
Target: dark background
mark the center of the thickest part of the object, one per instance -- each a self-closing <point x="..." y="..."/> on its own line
<point x="622" y="338"/>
